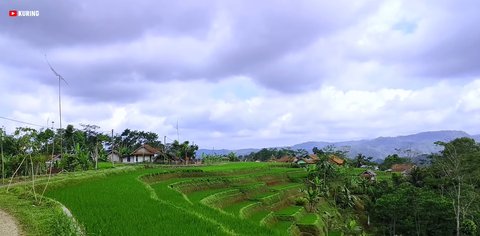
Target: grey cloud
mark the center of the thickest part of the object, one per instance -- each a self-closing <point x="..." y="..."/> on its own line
<point x="264" y="33"/>
<point x="261" y="33"/>
<point x="442" y="44"/>
<point x="67" y="23"/>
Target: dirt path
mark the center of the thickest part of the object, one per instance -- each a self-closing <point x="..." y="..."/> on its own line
<point x="8" y="226"/>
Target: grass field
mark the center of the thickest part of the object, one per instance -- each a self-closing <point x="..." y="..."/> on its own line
<point x="121" y="205"/>
<point x="225" y="199"/>
<point x="124" y="204"/>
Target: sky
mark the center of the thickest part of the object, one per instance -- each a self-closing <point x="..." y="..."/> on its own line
<point x="240" y="74"/>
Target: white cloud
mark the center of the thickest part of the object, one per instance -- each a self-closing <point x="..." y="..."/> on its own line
<point x="329" y="113"/>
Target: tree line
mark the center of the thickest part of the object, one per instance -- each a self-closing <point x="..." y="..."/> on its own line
<point x="27" y="151"/>
<point x="441" y="197"/>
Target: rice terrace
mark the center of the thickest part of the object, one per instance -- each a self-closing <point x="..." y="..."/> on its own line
<point x="229" y="199"/>
<point x="267" y="193"/>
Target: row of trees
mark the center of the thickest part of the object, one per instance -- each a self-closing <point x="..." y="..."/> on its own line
<point x="80" y="148"/>
<point x="216" y="158"/>
<point x="267" y="154"/>
<point x="441" y="198"/>
<point x="327" y="183"/>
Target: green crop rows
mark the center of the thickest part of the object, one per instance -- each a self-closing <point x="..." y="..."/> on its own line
<point x="230" y="199"/>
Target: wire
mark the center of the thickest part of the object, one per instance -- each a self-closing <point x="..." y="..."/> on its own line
<point x="43" y="126"/>
<point x="23" y="122"/>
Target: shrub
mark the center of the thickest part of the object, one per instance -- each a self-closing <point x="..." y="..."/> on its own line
<point x="469" y="227"/>
<point x="301" y="201"/>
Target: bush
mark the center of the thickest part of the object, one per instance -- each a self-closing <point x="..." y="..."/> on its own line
<point x="301" y="201"/>
<point x="469" y="227"/>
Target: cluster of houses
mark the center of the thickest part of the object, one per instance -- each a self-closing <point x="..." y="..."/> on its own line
<point x="369" y="172"/>
<point x="310" y="159"/>
<point x="147" y="153"/>
<point x="403" y="169"/>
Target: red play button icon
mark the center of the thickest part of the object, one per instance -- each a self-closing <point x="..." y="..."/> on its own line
<point x="13" y="13"/>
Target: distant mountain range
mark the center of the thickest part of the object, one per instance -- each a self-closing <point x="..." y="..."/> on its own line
<point x="378" y="148"/>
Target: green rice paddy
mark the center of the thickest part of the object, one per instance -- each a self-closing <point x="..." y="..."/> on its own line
<point x="227" y="199"/>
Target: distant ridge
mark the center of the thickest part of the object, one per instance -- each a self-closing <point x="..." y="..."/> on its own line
<point x="378" y="148"/>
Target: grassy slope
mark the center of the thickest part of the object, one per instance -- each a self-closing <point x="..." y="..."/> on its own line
<point x="230" y="222"/>
<point x="118" y="204"/>
<point x="36" y="219"/>
<point x="121" y="205"/>
<point x="44" y="217"/>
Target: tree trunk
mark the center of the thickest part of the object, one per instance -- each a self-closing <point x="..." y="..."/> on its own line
<point x="14" y="173"/>
<point x="96" y="156"/>
<point x="394" y="226"/>
<point x="458" y="209"/>
<point x="33" y="178"/>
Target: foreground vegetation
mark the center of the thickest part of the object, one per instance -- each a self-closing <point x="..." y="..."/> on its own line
<point x="229" y="199"/>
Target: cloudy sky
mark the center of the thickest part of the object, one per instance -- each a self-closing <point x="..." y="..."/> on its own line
<point x="238" y="74"/>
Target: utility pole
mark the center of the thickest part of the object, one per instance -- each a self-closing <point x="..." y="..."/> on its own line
<point x="113" y="149"/>
<point x="60" y="114"/>
<point x="96" y="155"/>
<point x="164" y="149"/>
<point x="3" y="161"/>
<point x="59" y="102"/>
<point x="178" y="135"/>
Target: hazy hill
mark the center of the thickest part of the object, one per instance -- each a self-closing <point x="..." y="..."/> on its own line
<point x="378" y="148"/>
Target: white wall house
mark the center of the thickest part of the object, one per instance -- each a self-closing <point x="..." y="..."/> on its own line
<point x="144" y="153"/>
<point x="114" y="156"/>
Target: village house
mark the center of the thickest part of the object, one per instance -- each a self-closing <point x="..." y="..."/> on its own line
<point x="286" y="159"/>
<point x="369" y="174"/>
<point x="114" y="156"/>
<point x="53" y="164"/>
<point x="144" y="153"/>
<point x="54" y="160"/>
<point x="405" y="169"/>
<point x="370" y="166"/>
<point x="336" y="160"/>
<point x="301" y="162"/>
<point x="313" y="159"/>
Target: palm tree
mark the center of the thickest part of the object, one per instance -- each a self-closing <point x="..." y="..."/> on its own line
<point x="326" y="170"/>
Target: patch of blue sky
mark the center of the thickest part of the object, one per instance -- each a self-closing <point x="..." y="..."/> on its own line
<point x="239" y="87"/>
<point x="406" y="27"/>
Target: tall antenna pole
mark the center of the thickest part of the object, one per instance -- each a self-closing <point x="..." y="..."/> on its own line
<point x="3" y="161"/>
<point x="60" y="114"/>
<point x="59" y="102"/>
<point x="178" y="135"/>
